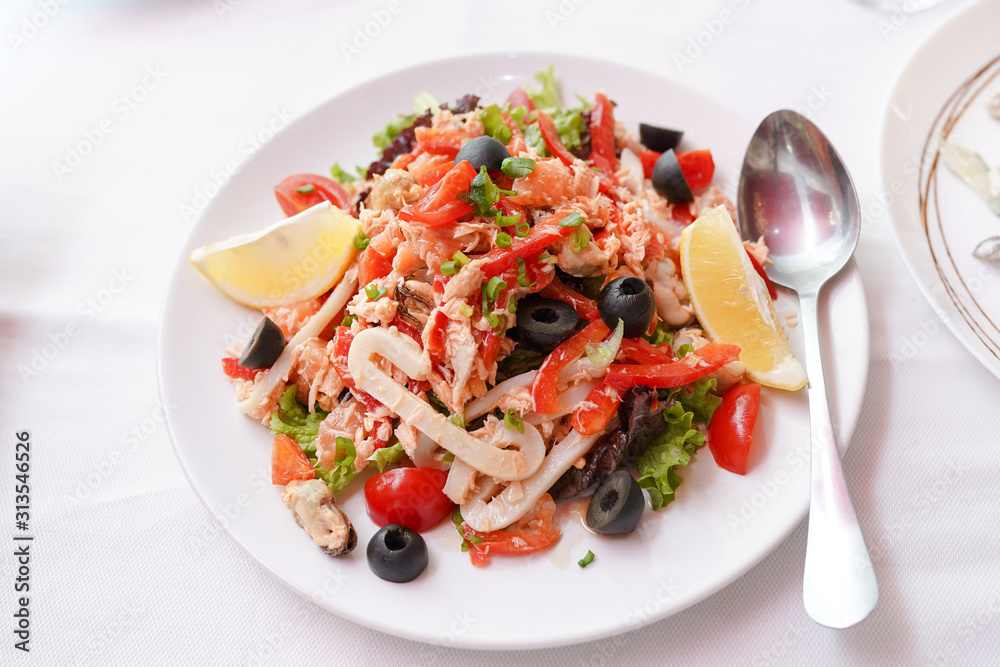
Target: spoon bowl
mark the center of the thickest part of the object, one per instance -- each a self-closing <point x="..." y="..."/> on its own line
<point x="796" y="193"/>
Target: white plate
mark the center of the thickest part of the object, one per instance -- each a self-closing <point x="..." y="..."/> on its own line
<point x="720" y="525"/>
<point x="936" y="219"/>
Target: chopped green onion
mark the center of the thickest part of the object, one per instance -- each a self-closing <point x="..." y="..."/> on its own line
<point x="684" y="350"/>
<point x="375" y="292"/>
<point x="512" y="420"/>
<point x="586" y="560"/>
<point x="522" y="229"/>
<point x="507" y="220"/>
<point x="574" y="219"/>
<point x="361" y="241"/>
<point x="606" y="352"/>
<point x="347" y="321"/>
<point x="493" y="287"/>
<point x="547" y="258"/>
<point x="460" y="258"/>
<point x="579" y="239"/>
<point x="660" y="336"/>
<point x="517" y="167"/>
<point x="305" y="189"/>
<point x="458" y="420"/>
<point x="512" y="306"/>
<point x="448" y="268"/>
<point x="503" y="239"/>
<point x="465" y="309"/>
<point x="522" y="274"/>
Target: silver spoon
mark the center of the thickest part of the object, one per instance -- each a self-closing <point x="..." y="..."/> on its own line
<point x="797" y="194"/>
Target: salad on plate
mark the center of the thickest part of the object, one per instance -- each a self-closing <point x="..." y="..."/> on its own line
<point x="514" y="305"/>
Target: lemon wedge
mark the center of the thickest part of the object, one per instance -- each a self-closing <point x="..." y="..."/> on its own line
<point x="293" y="260"/>
<point x="732" y="303"/>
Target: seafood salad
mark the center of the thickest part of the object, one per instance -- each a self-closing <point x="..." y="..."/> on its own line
<point x="508" y="327"/>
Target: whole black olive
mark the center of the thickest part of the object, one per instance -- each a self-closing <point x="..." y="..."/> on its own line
<point x="659" y="139"/>
<point x="668" y="179"/>
<point x="544" y="323"/>
<point x="616" y="506"/>
<point x="264" y="346"/>
<point x="483" y="151"/>
<point x="397" y="553"/>
<point x="629" y="299"/>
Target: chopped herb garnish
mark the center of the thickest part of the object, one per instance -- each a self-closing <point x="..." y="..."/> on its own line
<point x="305" y="189"/>
<point x="345" y="453"/>
<point x="579" y="239"/>
<point x="684" y="350"/>
<point x="482" y="193"/>
<point x="449" y="268"/>
<point x="522" y="273"/>
<point x="522" y="229"/>
<point x="375" y="292"/>
<point x="512" y="420"/>
<point x="493" y="287"/>
<point x="503" y="239"/>
<point x="361" y="241"/>
<point x="660" y="335"/>
<point x="347" y="321"/>
<point x="574" y="219"/>
<point x="465" y="309"/>
<point x="459" y="258"/>
<point x="458" y="420"/>
<point x="507" y="220"/>
<point x="517" y="167"/>
<point x="512" y="306"/>
<point x="586" y="560"/>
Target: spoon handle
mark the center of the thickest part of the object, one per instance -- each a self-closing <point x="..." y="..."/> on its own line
<point x="839" y="586"/>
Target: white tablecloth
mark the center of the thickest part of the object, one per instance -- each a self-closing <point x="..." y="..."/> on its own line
<point x="128" y="567"/>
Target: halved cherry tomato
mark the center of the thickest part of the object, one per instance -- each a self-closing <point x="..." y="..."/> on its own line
<point x="730" y="433"/>
<point x="694" y="366"/>
<point x="698" y="168"/>
<point x="682" y="214"/>
<point x="602" y="136"/>
<point x="600" y="406"/>
<point x="773" y="293"/>
<point x="543" y="388"/>
<point x="519" y="98"/>
<point x="552" y="141"/>
<point x="411" y="497"/>
<point x="232" y="368"/>
<point x="439" y="205"/>
<point x="536" y="531"/>
<point x="301" y="191"/>
<point x="289" y="462"/>
<point x="648" y="159"/>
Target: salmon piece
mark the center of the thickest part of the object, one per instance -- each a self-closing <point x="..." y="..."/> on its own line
<point x="292" y="318"/>
<point x="549" y="184"/>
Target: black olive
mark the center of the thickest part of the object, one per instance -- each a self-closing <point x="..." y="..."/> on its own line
<point x="397" y="553"/>
<point x="659" y="139"/>
<point x="630" y="300"/>
<point x="616" y="506"/>
<point x="669" y="181"/>
<point x="264" y="346"/>
<point x="483" y="151"/>
<point x="544" y="323"/>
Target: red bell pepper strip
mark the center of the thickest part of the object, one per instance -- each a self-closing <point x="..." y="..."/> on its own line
<point x="439" y="205"/>
<point x="694" y="366"/>
<point x="773" y="293"/>
<point x="698" y="168"/>
<point x="730" y="432"/>
<point x="232" y="368"/>
<point x="438" y="324"/>
<point x="585" y="308"/>
<point x="552" y="141"/>
<point x="544" y="387"/>
<point x="519" y="98"/>
<point x="339" y="363"/>
<point x="643" y="352"/>
<point x="600" y="406"/>
<point x="499" y="260"/>
<point x="602" y="136"/>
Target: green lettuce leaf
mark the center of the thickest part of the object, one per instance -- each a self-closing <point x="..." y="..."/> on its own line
<point x="548" y="96"/>
<point x="384" y="137"/>
<point x="343" y="470"/>
<point x="344" y="177"/>
<point x="667" y="452"/>
<point x="700" y="400"/>
<point x="569" y="124"/>
<point x="386" y="455"/>
<point x="292" y="419"/>
<point x="494" y="125"/>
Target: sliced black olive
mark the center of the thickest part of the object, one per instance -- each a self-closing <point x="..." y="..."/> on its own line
<point x="659" y="139"/>
<point x="264" y="346"/>
<point x="483" y="151"/>
<point x="669" y="181"/>
<point x="629" y="299"/>
<point x="397" y="553"/>
<point x="544" y="323"/>
<point x="616" y="506"/>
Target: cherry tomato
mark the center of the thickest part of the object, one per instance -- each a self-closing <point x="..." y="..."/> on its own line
<point x="301" y="191"/>
<point x="698" y="168"/>
<point x="411" y="497"/>
<point x="289" y="462"/>
<point x="519" y="98"/>
<point x="536" y="531"/>
<point x="731" y="431"/>
<point x="232" y="368"/>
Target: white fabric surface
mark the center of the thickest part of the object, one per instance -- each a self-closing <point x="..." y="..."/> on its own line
<point x="130" y="568"/>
